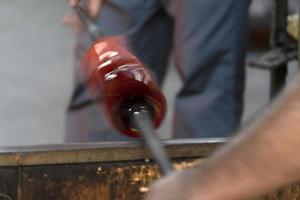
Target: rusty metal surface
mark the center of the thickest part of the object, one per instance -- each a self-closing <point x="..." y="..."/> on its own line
<point x="88" y="171"/>
<point x="291" y="192"/>
<point x="62" y="172"/>
<point x="107" y="181"/>
<point x="101" y="152"/>
<point x="102" y="181"/>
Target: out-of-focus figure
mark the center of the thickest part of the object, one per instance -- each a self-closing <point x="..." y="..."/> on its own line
<point x="208" y="42"/>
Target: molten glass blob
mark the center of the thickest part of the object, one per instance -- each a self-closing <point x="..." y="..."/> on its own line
<point x="124" y="83"/>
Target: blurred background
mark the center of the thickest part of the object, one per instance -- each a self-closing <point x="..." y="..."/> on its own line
<point x="36" y="72"/>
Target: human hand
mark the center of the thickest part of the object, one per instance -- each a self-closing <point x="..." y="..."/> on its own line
<point x="73" y="21"/>
<point x="93" y="6"/>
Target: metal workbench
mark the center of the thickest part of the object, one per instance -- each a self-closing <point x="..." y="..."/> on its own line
<point x="97" y="171"/>
<point x="101" y="171"/>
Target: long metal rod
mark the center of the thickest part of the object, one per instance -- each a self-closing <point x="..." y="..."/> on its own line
<point x="142" y="121"/>
<point x="90" y="25"/>
<point x="95" y="33"/>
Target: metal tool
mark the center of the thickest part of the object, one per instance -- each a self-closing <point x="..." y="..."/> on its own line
<point x="91" y="27"/>
<point x="140" y="115"/>
<point x="143" y="123"/>
<point x="95" y="33"/>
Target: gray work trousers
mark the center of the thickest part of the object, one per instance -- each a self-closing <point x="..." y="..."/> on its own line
<point x="208" y="41"/>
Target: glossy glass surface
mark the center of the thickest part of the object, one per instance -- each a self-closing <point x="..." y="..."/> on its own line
<point x="124" y="82"/>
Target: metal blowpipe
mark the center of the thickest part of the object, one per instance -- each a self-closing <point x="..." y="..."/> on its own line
<point x="140" y="117"/>
<point x="142" y="121"/>
<point x="91" y="27"/>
